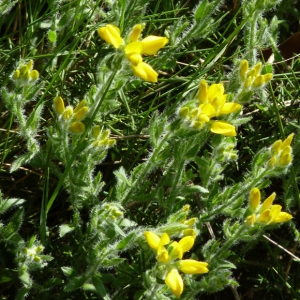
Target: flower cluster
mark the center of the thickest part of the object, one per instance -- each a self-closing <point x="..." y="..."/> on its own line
<point x="170" y="255"/>
<point x="31" y="254"/>
<point x="25" y="73"/>
<point x="252" y="78"/>
<point x="265" y="213"/>
<point x="101" y="138"/>
<point x="212" y="104"/>
<point x="71" y="118"/>
<point x="281" y="152"/>
<point x="133" y="48"/>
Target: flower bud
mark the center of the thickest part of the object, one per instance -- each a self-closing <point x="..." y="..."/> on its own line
<point x="59" y="105"/>
<point x="77" y="127"/>
<point x="244" y="66"/>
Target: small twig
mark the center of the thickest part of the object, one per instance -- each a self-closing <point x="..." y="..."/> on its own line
<point x="285" y="250"/>
<point x="234" y="292"/>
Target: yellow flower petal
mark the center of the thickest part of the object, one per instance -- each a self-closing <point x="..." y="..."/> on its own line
<point x="80" y="114"/>
<point x="251" y="220"/>
<point x="145" y="71"/>
<point x="276" y="147"/>
<point x="16" y="74"/>
<point x="268" y="202"/>
<point x="153" y="239"/>
<point x="272" y="162"/>
<point x="80" y="105"/>
<point x="111" y="35"/>
<point x="244" y="66"/>
<point x="267" y="77"/>
<point x="184" y="111"/>
<point x="224" y="128"/>
<point x="175" y="250"/>
<point x="190" y="222"/>
<point x="207" y="109"/>
<point x="265" y="216"/>
<point x="151" y="44"/>
<point x="96" y="131"/>
<point x="136" y="32"/>
<point x="285" y="159"/>
<point x="258" y="81"/>
<point x="287" y="141"/>
<point x="254" y="198"/>
<point x="282" y="217"/>
<point x="77" y="127"/>
<point x="214" y="91"/>
<point x="229" y="108"/>
<point x="135" y="58"/>
<point x="34" y="75"/>
<point x="174" y="282"/>
<point x="257" y="68"/>
<point x="203" y="91"/>
<point x="189" y="232"/>
<point x="190" y="266"/>
<point x="68" y="112"/>
<point x="187" y="243"/>
<point x="163" y="256"/>
<point x="133" y="48"/>
<point x="59" y="105"/>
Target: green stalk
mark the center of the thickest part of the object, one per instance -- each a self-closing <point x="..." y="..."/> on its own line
<point x="82" y="138"/>
<point x="147" y="167"/>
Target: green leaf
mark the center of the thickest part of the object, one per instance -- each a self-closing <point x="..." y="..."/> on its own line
<point x="52" y="36"/>
<point x="127" y="240"/>
<point x="6" y="204"/>
<point x="34" y="118"/>
<point x="21" y="160"/>
<point x="202" y="11"/>
<point x="122" y="177"/>
<point x="68" y="271"/>
<point x="22" y="293"/>
<point x="74" y="284"/>
<point x="64" y="229"/>
<point x="99" y="286"/>
<point x="195" y="189"/>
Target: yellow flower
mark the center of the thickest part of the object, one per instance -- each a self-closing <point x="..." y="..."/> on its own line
<point x="59" y="105"/>
<point x="77" y="127"/>
<point x="265" y="213"/>
<point x="134" y="49"/>
<point x="224" y="128"/>
<point x="212" y="103"/>
<point x="281" y="152"/>
<point x="252" y="77"/>
<point x="70" y="117"/>
<point x="101" y="137"/>
<point x="25" y="73"/>
<point x="174" y="282"/>
<point x="145" y="71"/>
<point x="111" y="35"/>
<point x="171" y="257"/>
<point x="190" y="266"/>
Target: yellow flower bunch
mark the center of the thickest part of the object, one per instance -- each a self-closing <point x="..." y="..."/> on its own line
<point x="281" y="152"/>
<point x="265" y="213"/>
<point x="171" y="258"/>
<point x="134" y="48"/>
<point x="101" y="138"/>
<point x="252" y="77"/>
<point x="71" y="116"/>
<point x="26" y="73"/>
<point x="212" y="103"/>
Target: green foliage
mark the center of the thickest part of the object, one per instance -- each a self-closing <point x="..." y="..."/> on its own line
<point x="96" y="151"/>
